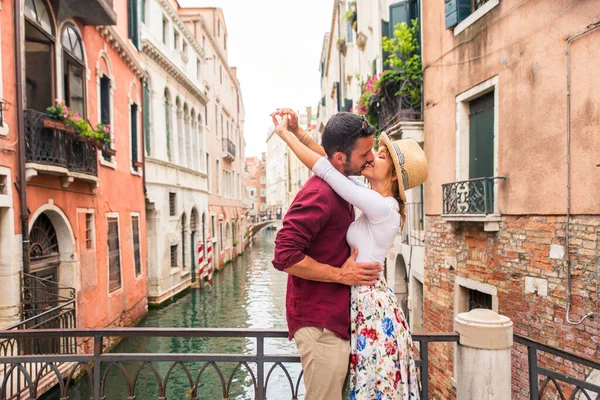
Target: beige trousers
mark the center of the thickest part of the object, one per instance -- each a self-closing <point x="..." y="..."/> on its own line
<point x="325" y="358"/>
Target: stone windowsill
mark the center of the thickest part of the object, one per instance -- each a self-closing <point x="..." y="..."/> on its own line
<point x="491" y="221"/>
<point x="479" y="13"/>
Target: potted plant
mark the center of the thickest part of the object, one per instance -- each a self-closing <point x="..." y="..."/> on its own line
<point x="352" y="16"/>
<point x="341" y="46"/>
<point x="58" y="113"/>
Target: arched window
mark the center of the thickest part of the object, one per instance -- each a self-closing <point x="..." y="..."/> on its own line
<point x="183" y="222"/>
<point x="193" y="163"/>
<point x="146" y="117"/>
<point x="74" y="70"/>
<point x="168" y="124"/>
<point x="39" y="58"/>
<point x="201" y="152"/>
<point x="179" y="131"/>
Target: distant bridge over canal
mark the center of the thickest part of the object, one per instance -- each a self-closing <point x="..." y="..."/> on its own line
<point x="256" y="228"/>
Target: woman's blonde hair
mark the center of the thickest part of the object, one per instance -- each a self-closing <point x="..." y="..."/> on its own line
<point x="392" y="186"/>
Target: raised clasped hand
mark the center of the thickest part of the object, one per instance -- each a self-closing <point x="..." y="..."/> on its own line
<point x="281" y="123"/>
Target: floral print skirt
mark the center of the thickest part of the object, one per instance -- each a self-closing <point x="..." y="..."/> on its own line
<point x="382" y="364"/>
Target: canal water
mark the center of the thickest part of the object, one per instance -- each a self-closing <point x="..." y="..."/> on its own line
<point x="248" y="293"/>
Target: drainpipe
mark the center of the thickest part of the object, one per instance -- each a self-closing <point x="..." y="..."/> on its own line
<point x="568" y="158"/>
<point x="21" y="136"/>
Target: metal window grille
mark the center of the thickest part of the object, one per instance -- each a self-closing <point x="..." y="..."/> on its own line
<point x="172" y="204"/>
<point x="114" y="258"/>
<point x="479" y="299"/>
<point x="89" y="239"/>
<point x="135" y="227"/>
<point x="174" y="256"/>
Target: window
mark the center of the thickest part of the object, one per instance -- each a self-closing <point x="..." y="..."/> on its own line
<point x="263" y="179"/>
<point x="219" y="28"/>
<point x="221" y="236"/>
<point x="208" y="181"/>
<point x="184" y="47"/>
<point x="462" y="13"/>
<point x="263" y="207"/>
<point x="263" y="192"/>
<point x="225" y="41"/>
<point x="74" y="70"/>
<point x="168" y="124"/>
<point x="479" y="299"/>
<point x="218" y="177"/>
<point x="174" y="256"/>
<point x="105" y="112"/>
<point x="203" y="42"/>
<point x="143" y="11"/>
<point x="165" y="26"/>
<point x="133" y="112"/>
<point x="175" y="39"/>
<point x="114" y="256"/>
<point x="252" y="192"/>
<point x="146" y="117"/>
<point x="135" y="229"/>
<point x="216" y="121"/>
<point x="132" y="22"/>
<point x="212" y="226"/>
<point x="221" y="74"/>
<point x="89" y="231"/>
<point x="198" y="70"/>
<point x="172" y="204"/>
<point x="39" y="58"/>
<point x="183" y="256"/>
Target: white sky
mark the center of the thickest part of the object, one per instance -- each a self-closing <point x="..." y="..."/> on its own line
<point x="276" y="45"/>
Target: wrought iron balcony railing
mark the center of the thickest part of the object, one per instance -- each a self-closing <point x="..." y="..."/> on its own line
<point x="259" y="366"/>
<point x="228" y="149"/>
<point x="57" y="146"/>
<point x="472" y="197"/>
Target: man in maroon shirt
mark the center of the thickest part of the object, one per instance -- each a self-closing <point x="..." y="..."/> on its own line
<point x="311" y="247"/>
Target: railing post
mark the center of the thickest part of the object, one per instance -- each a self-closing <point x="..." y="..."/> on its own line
<point x="260" y="366"/>
<point x="533" y="372"/>
<point x="424" y="351"/>
<point x="483" y="361"/>
<point x="97" y="366"/>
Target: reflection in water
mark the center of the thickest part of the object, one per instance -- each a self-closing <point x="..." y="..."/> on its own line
<point x="249" y="293"/>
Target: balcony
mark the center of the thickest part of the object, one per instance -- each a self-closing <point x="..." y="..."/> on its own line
<point x="228" y="150"/>
<point x="51" y="148"/>
<point x="472" y="200"/>
<point x="91" y="12"/>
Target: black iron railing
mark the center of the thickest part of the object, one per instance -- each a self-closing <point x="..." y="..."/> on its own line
<point x="414" y="232"/>
<point x="547" y="384"/>
<point x="97" y="365"/>
<point x="57" y="146"/>
<point x="472" y="197"/>
<point x="229" y="147"/>
<point x="46" y="305"/>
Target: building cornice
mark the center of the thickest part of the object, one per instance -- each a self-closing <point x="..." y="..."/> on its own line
<point x="179" y="22"/>
<point x="157" y="56"/>
<point x="215" y="45"/>
<point x="118" y="45"/>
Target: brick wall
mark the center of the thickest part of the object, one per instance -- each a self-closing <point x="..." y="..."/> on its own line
<point x="524" y="262"/>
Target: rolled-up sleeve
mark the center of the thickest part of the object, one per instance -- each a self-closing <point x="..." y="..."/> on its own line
<point x="306" y="216"/>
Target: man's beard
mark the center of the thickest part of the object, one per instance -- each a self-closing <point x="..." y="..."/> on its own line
<point x="350" y="170"/>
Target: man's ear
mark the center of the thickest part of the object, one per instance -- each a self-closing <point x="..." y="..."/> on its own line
<point x="338" y="159"/>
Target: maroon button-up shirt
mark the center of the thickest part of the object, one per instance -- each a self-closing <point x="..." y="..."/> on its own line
<point x="316" y="225"/>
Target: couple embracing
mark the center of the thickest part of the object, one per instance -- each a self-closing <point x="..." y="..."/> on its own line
<point x="339" y="309"/>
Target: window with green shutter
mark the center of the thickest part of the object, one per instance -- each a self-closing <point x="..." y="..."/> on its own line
<point x="132" y="22"/>
<point x="457" y="10"/>
<point x="399" y="12"/>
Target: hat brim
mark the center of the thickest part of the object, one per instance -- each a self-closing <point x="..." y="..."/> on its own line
<point x="385" y="140"/>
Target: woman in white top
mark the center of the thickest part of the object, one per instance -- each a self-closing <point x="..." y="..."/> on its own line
<point x="382" y="365"/>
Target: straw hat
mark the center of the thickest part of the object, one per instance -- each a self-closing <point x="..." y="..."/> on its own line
<point x="409" y="160"/>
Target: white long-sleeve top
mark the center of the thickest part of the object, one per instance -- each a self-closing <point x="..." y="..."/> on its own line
<point x="374" y="230"/>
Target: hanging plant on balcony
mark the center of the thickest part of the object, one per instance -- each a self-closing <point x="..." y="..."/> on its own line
<point x="399" y="89"/>
<point x="103" y="134"/>
<point x="341" y="46"/>
<point x="352" y="16"/>
<point x="59" y="111"/>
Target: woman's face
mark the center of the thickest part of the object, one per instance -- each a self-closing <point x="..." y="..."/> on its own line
<point x="378" y="170"/>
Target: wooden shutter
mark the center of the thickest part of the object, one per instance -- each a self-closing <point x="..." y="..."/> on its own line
<point x="481" y="137"/>
<point x="134" y="134"/>
<point x="456" y="11"/>
<point x="146" y="117"/>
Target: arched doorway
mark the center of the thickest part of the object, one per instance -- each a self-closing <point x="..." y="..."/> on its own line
<point x="44" y="259"/>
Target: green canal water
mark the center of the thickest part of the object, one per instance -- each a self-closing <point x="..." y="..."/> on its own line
<point x="248" y="293"/>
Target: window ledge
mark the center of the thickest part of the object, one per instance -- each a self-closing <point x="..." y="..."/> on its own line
<point x="136" y="172"/>
<point x="479" y="13"/>
<point x="175" y="270"/>
<point x="110" y="164"/>
<point x="185" y="272"/>
<point x="491" y="221"/>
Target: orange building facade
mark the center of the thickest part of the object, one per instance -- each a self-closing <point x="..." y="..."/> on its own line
<point x="84" y="197"/>
<point x="256" y="185"/>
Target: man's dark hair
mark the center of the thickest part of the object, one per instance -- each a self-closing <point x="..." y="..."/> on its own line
<point x="342" y="131"/>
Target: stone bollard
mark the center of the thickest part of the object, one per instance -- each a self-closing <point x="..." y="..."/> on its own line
<point x="483" y="365"/>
